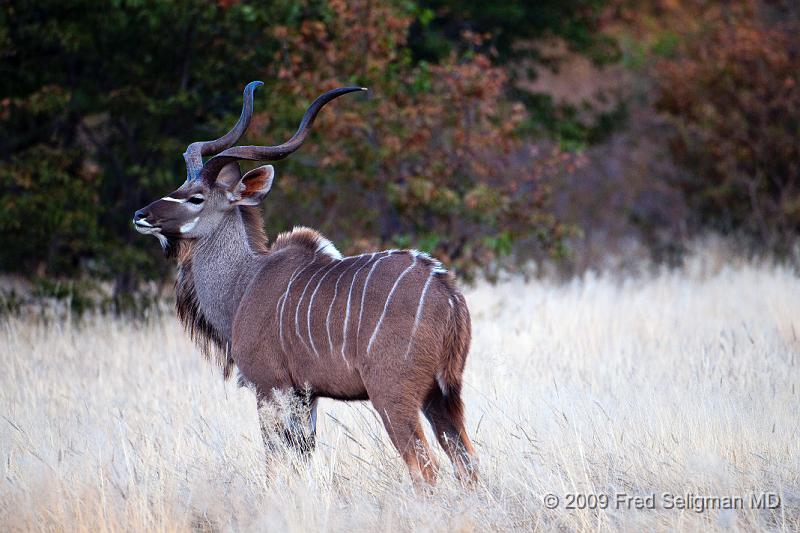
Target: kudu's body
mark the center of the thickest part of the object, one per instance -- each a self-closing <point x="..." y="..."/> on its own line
<point x="297" y="317"/>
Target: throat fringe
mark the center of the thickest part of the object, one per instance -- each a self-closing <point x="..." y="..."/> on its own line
<point x="211" y="344"/>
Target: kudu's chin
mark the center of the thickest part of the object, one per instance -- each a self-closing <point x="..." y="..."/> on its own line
<point x="145" y="228"/>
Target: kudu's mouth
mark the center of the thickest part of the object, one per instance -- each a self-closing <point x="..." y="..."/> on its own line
<point x="143" y="226"/>
<point x="146" y="228"/>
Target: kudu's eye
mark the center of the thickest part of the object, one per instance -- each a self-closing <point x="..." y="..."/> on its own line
<point x="196" y="199"/>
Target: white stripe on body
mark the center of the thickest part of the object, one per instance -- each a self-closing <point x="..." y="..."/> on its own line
<point x="419" y="311"/>
<point x="334" y="264"/>
<point x="285" y="297"/>
<point x="300" y="301"/>
<point x="388" y="299"/>
<point x="335" y="293"/>
<point x="349" y="295"/>
<point x="364" y="294"/>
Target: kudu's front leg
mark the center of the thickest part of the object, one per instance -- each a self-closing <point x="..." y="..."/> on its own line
<point x="288" y="421"/>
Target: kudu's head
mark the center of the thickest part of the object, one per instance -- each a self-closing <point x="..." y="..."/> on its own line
<point x="217" y="186"/>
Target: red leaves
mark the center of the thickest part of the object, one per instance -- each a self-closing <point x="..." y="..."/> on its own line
<point x="733" y="95"/>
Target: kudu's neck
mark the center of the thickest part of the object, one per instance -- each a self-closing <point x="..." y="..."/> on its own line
<point x="222" y="266"/>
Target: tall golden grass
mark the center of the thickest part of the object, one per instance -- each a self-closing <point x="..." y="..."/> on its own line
<point x="684" y="382"/>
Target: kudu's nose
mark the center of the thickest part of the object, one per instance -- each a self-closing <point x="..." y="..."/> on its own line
<point x="139" y="215"/>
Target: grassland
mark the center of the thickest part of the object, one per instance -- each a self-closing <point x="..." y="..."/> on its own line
<point x="684" y="382"/>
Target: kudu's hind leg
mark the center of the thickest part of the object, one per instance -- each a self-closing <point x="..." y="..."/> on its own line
<point x="446" y="415"/>
<point x="400" y="417"/>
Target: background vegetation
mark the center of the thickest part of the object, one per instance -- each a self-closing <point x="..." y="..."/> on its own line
<point x="494" y="133"/>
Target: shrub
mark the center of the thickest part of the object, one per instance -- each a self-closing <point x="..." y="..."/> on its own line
<point x="733" y="93"/>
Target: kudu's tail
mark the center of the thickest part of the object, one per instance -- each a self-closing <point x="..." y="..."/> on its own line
<point x="458" y="334"/>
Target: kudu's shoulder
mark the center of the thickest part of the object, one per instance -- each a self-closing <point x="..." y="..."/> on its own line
<point x="306" y="240"/>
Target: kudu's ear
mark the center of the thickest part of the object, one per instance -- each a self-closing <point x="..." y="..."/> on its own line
<point x="253" y="187"/>
<point x="229" y="175"/>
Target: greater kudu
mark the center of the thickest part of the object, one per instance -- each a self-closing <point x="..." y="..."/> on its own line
<point x="295" y="315"/>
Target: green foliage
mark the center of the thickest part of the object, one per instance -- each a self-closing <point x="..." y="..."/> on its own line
<point x="47" y="215"/>
<point x="75" y="294"/>
<point x="572" y="127"/>
<point x="508" y="23"/>
<point x="10" y="303"/>
<point x="98" y="105"/>
<point x="666" y="45"/>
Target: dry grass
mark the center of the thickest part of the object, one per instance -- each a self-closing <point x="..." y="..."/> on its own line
<point x="684" y="383"/>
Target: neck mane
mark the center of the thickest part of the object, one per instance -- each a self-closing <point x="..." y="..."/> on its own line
<point x="197" y="310"/>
